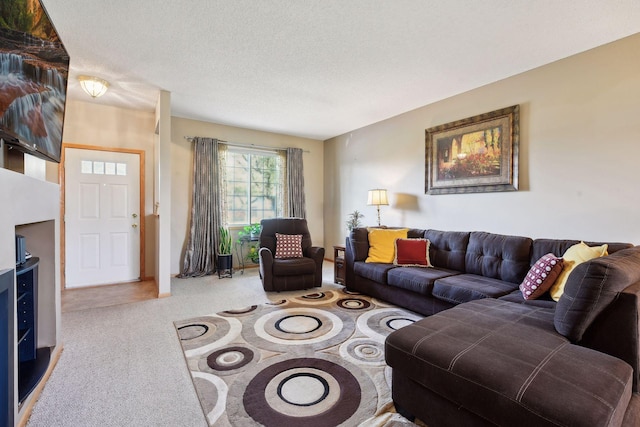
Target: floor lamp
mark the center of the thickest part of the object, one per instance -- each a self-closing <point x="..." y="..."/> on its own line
<point x="378" y="197"/>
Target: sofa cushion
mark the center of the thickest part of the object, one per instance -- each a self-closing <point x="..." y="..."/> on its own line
<point x="373" y="270"/>
<point x="447" y="248"/>
<point x="543" y="301"/>
<point x="506" y="364"/>
<point x="541" y="276"/>
<point x="498" y="256"/>
<point x="382" y="244"/>
<point x="468" y="287"/>
<point x="418" y="280"/>
<point x="574" y="256"/>
<point x="591" y="287"/>
<point x="293" y="266"/>
<point x="412" y="253"/>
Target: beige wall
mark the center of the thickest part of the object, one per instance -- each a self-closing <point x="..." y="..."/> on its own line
<point x="99" y="125"/>
<point x="579" y="155"/>
<point x="181" y="166"/>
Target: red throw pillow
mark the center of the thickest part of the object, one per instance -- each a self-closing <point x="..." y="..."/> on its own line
<point x="541" y="276"/>
<point x="412" y="253"/>
<point x="288" y="245"/>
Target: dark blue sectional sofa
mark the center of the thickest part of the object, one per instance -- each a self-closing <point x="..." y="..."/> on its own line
<point x="485" y="356"/>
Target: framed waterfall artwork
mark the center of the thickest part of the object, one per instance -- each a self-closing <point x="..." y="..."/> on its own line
<point x="474" y="155"/>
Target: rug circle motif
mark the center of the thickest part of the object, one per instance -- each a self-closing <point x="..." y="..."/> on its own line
<point x="240" y="311"/>
<point x="220" y="331"/>
<point x="277" y="395"/>
<point x="354" y="303"/>
<point x="302" y="392"/>
<point x="316" y="298"/>
<point x="399" y="322"/>
<point x="363" y="351"/>
<point x="191" y="332"/>
<point x="377" y="324"/>
<point x="297" y="326"/>
<point x="230" y="358"/>
<point x="215" y="390"/>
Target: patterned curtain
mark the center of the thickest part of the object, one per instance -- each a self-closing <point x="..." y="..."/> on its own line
<point x="206" y="210"/>
<point x="295" y="183"/>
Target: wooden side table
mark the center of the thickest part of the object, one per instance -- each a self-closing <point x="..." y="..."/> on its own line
<point x="338" y="265"/>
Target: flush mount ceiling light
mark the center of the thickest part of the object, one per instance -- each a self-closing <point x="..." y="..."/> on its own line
<point x="94" y="86"/>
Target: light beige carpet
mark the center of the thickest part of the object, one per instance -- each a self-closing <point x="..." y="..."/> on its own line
<point x="313" y="360"/>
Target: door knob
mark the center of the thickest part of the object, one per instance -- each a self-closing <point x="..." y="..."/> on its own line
<point x="134" y="225"/>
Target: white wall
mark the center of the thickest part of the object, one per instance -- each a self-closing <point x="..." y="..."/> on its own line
<point x="181" y="165"/>
<point x="162" y="193"/>
<point x="579" y="154"/>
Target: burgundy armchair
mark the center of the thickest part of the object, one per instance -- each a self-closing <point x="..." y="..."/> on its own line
<point x="288" y="274"/>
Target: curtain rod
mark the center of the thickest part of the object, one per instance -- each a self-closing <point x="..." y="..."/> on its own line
<point x="237" y="144"/>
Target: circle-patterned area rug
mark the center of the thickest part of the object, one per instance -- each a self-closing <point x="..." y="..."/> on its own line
<point x="315" y="360"/>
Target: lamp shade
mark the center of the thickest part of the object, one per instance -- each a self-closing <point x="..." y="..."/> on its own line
<point x="93" y="86"/>
<point x="378" y="197"/>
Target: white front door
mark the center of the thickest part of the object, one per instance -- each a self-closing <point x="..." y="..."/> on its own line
<point x="102" y="218"/>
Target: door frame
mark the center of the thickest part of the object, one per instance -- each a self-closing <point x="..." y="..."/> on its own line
<point x="61" y="178"/>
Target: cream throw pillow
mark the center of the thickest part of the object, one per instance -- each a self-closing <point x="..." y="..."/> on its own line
<point x="574" y="256"/>
<point x="382" y="244"/>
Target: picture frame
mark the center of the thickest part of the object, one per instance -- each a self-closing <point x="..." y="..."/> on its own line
<point x="478" y="154"/>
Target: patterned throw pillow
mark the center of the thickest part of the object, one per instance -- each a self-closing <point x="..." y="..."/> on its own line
<point x="288" y="245"/>
<point x="541" y="276"/>
<point x="412" y="253"/>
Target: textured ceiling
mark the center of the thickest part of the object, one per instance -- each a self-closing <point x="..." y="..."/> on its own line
<point x="319" y="68"/>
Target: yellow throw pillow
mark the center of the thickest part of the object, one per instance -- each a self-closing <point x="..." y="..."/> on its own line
<point x="574" y="256"/>
<point x="382" y="246"/>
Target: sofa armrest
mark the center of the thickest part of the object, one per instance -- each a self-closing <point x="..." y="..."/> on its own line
<point x="356" y="249"/>
<point x="616" y="331"/>
<point x="316" y="253"/>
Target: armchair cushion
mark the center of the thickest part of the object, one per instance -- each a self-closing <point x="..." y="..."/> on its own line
<point x="293" y="266"/>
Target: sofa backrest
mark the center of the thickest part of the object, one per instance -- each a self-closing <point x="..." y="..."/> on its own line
<point x="269" y="228"/>
<point x="558" y="247"/>
<point x="448" y="248"/>
<point x="358" y="244"/>
<point x="600" y="307"/>
<point x="591" y="287"/>
<point x="498" y="256"/>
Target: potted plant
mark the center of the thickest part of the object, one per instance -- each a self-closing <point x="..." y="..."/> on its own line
<point x="250" y="233"/>
<point x="225" y="256"/>
<point x="353" y="220"/>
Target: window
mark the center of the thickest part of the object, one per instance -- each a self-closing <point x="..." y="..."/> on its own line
<point x="254" y="185"/>
<point x="103" y="168"/>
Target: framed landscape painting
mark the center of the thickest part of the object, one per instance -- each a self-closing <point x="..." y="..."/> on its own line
<point x="474" y="155"/>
